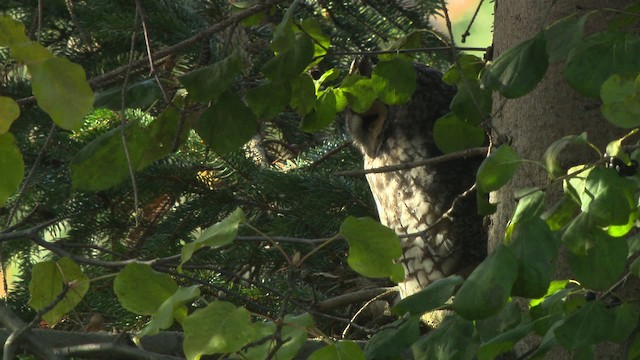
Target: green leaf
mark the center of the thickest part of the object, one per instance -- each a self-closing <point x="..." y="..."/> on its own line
<point x="394" y="81"/>
<point x="600" y="56"/>
<point x="105" y="154"/>
<point x="11" y="166"/>
<point x="561" y="213"/>
<point x="471" y="66"/>
<point x="142" y="290"/>
<point x="432" y="297"/>
<point x="452" y="134"/>
<point x="294" y="332"/>
<point x="484" y="206"/>
<point x="341" y="350"/>
<point x="290" y="63"/>
<point x="497" y="169"/>
<point x="529" y="207"/>
<point x="47" y="281"/>
<point x="172" y="308"/>
<point x="554" y="287"/>
<point x="373" y="248"/>
<point x="579" y="236"/>
<point x="11" y="31"/>
<point x="269" y="98"/>
<point x="324" y="113"/>
<point x="30" y="53"/>
<point x="62" y="91"/>
<point x="508" y="318"/>
<point x="563" y="35"/>
<point x="487" y="289"/>
<point x="283" y="35"/>
<point x="321" y="42"/>
<point x="625" y="320"/>
<point x="226" y="125"/>
<point x="585" y="326"/>
<point x="392" y="340"/>
<point x="607" y="197"/>
<point x="471" y="103"/>
<point x="138" y="95"/>
<point x="518" y="70"/>
<point x="504" y="341"/>
<point x="359" y="92"/>
<point x="553" y="152"/>
<point x="208" y="83"/>
<point x="303" y="94"/>
<point x="9" y="111"/>
<point x="453" y="340"/>
<point x="608" y="255"/>
<point x="620" y="96"/>
<point x="216" y="235"/>
<point x="219" y="328"/>
<point x="535" y="248"/>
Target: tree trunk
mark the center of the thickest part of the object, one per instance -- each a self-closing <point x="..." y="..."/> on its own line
<point x="531" y="123"/>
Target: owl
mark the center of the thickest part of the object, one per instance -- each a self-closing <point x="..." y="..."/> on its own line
<point x="413" y="201"/>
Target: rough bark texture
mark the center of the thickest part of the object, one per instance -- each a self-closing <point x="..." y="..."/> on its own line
<point x="552" y="110"/>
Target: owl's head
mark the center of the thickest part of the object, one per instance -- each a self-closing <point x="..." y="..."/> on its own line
<point x="367" y="129"/>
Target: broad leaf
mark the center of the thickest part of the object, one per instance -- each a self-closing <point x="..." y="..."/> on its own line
<point x="269" y="98"/>
<point x="208" y="83"/>
<point x="105" y="154"/>
<point x="142" y="290"/>
<point x="221" y="327"/>
<point x="11" y="166"/>
<point x="226" y="125"/>
<point x="324" y="113"/>
<point x="294" y="332"/>
<point x="452" y="134"/>
<point x="561" y="213"/>
<point x="620" y="96"/>
<point x="62" y="91"/>
<point x="608" y="255"/>
<point x="216" y="235"/>
<point x="373" y="248"/>
<point x="563" y="35"/>
<point x="535" y="248"/>
<point x="47" y="281"/>
<point x="497" y="169"/>
<point x="139" y="95"/>
<point x="359" y="92"/>
<point x="321" y="41"/>
<point x="342" y="350"/>
<point x="393" y="339"/>
<point x="553" y="152"/>
<point x="11" y="31"/>
<point x="488" y="287"/>
<point x="518" y="70"/>
<point x="432" y="297"/>
<point x="529" y="207"/>
<point x="394" y="81"/>
<point x="586" y="326"/>
<point x="503" y="342"/>
<point x="600" y="56"/>
<point x="303" y="94"/>
<point x="172" y="308"/>
<point x="452" y="340"/>
<point x="9" y="111"/>
<point x="471" y="66"/>
<point x="508" y="318"/>
<point x="607" y="197"/>
<point x="290" y="63"/>
<point x="30" y="53"/>
<point x="471" y="103"/>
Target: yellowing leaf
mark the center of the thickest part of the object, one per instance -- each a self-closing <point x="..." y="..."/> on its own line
<point x="62" y="91"/>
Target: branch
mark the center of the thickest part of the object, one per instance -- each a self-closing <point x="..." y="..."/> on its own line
<point x="351" y="298"/>
<point x="9" y="320"/>
<point x="473" y="152"/>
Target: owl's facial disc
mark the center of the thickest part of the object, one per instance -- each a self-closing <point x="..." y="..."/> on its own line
<point x="371" y="126"/>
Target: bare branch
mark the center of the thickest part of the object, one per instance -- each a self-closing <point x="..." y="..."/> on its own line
<point x="9" y="320"/>
<point x="473" y="152"/>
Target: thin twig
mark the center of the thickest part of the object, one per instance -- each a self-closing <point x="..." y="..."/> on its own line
<point x="353" y="319"/>
<point x="408" y="51"/>
<point x="473" y="152"/>
<point x="329" y="154"/>
<point x="123" y="134"/>
<point x="473" y="19"/>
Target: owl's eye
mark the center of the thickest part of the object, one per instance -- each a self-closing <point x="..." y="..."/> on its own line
<point x="368" y="120"/>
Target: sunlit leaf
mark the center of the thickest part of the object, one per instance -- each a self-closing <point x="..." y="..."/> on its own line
<point x="452" y="134"/>
<point x="373" y="248"/>
<point x="471" y="66"/>
<point x="394" y="81"/>
<point x="221" y="327"/>
<point x="47" y="281"/>
<point x="294" y="332"/>
<point x="142" y="290"/>
<point x="359" y="92"/>
<point x="216" y="235"/>
<point x="172" y="308"/>
<point x="62" y="91"/>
